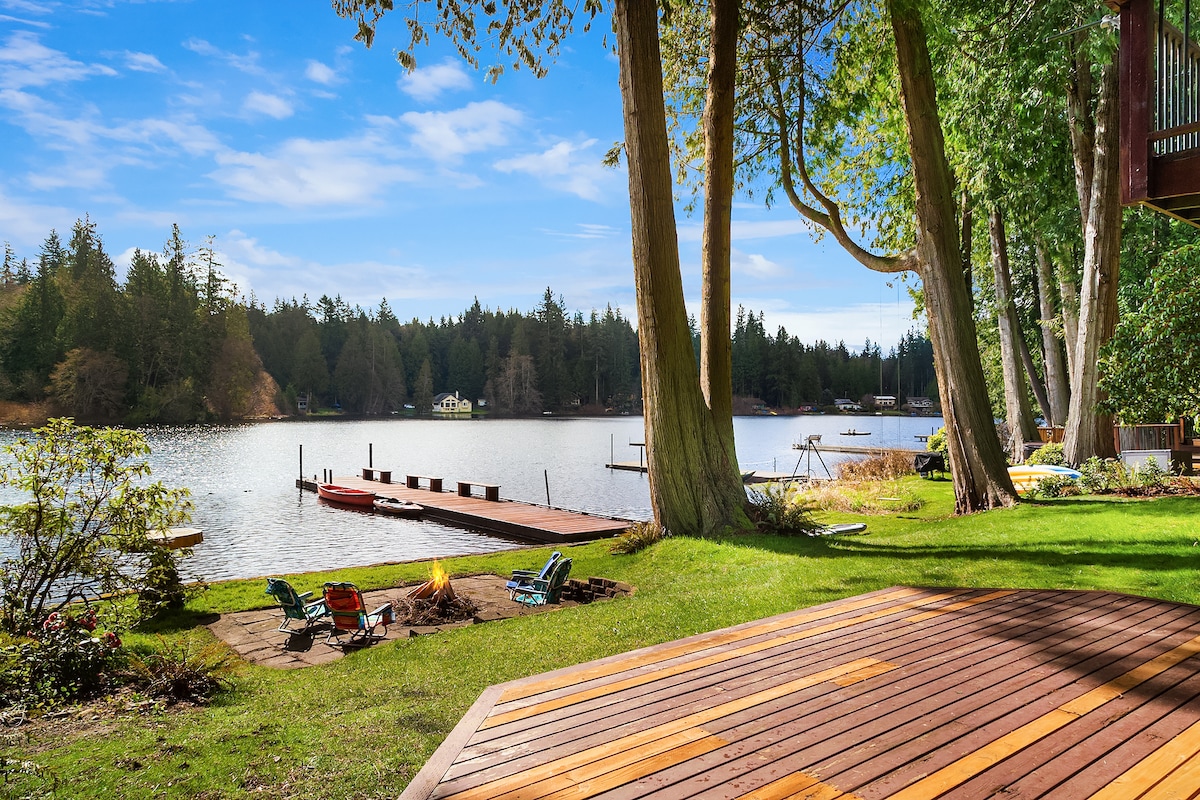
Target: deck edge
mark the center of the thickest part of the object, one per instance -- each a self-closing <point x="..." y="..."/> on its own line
<point x="430" y="775"/>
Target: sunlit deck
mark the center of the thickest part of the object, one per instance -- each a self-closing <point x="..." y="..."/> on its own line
<point x="902" y="693"/>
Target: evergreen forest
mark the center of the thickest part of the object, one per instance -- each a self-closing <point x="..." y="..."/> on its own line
<point x="173" y="342"/>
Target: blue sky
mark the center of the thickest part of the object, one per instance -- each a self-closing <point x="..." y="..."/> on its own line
<point x="323" y="168"/>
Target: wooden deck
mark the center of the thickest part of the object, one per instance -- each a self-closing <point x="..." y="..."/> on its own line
<point x="506" y="517"/>
<point x="904" y="693"/>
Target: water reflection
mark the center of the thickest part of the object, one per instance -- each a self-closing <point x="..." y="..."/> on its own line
<point x="255" y="522"/>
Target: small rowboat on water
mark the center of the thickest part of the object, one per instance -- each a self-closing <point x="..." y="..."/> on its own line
<point x="397" y="507"/>
<point x="345" y="495"/>
<point x="853" y="432"/>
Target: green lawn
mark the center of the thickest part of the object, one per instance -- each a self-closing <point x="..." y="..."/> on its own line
<point x="363" y="726"/>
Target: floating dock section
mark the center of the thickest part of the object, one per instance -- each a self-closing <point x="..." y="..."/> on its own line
<point x="512" y="518"/>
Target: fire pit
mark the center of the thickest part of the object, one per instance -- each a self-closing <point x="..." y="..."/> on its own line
<point x="433" y="602"/>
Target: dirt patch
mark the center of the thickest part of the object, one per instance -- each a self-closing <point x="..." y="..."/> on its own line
<point x="256" y="637"/>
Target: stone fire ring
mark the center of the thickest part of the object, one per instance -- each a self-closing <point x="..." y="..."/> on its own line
<point x="253" y="635"/>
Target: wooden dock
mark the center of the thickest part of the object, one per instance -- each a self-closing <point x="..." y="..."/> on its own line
<point x="513" y="518"/>
<point x="859" y="449"/>
<point x="904" y="693"/>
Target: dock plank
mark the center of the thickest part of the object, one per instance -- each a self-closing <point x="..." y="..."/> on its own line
<point x="904" y="693"/>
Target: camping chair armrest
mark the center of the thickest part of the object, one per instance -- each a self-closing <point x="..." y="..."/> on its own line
<point x="305" y="596"/>
<point x="317" y="609"/>
<point x="382" y="615"/>
<point x="523" y="574"/>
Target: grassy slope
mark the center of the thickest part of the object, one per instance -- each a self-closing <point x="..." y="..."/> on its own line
<point x="362" y="727"/>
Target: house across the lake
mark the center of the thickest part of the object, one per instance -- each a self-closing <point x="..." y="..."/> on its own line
<point x="919" y="405"/>
<point x="885" y="401"/>
<point x="843" y="404"/>
<point x="446" y="403"/>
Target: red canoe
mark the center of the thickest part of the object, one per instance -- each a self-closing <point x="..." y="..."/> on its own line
<point x="346" y="495"/>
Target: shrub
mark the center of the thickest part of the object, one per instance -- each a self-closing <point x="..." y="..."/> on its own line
<point x="1111" y="476"/>
<point x="82" y="534"/>
<point x="1049" y="454"/>
<point x="781" y="509"/>
<point x="62" y="659"/>
<point x="937" y="442"/>
<point x="1056" y="486"/>
<point x="638" y="536"/>
<point x="182" y="670"/>
<point x="889" y="466"/>
<point x="1096" y="474"/>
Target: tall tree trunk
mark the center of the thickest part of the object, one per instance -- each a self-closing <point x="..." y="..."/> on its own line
<point x="1052" y="352"/>
<point x="695" y="487"/>
<point x="1069" y="293"/>
<point x="981" y="480"/>
<point x="1016" y="400"/>
<point x="965" y="243"/>
<point x="716" y="355"/>
<point x="1035" y="381"/>
<point x="1089" y="432"/>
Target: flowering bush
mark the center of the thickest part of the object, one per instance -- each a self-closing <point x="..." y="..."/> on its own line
<point x="62" y="659"/>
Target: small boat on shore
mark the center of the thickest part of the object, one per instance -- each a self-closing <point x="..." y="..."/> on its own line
<point x="345" y="495"/>
<point x="853" y="432"/>
<point x="398" y="507"/>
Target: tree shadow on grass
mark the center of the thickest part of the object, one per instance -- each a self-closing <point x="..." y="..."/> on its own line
<point x="1152" y="536"/>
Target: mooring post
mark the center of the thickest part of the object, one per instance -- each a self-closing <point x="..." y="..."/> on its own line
<point x="546" y="472"/>
<point x="612" y="449"/>
<point x="370" y="455"/>
<point x="301" y="466"/>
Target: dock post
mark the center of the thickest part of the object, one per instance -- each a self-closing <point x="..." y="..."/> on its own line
<point x="612" y="449"/>
<point x="370" y="455"/>
<point x="546" y="473"/>
<point x="302" y="463"/>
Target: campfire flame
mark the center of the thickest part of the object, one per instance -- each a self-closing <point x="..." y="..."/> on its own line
<point x="437" y="588"/>
<point x="440" y="578"/>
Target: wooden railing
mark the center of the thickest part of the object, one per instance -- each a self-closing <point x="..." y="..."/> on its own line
<point x="1177" y="85"/>
<point x="1149" y="437"/>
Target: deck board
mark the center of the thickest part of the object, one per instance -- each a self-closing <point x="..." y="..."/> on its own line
<point x="506" y="517"/>
<point x="904" y="693"/>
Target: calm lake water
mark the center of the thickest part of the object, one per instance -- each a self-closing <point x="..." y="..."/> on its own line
<point x="255" y="522"/>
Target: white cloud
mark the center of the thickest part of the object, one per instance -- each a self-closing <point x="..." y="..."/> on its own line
<point x="427" y="84"/>
<point x="587" y="231"/>
<point x="851" y="324"/>
<point x="247" y="63"/>
<point x="25" y="61"/>
<point x="143" y="62"/>
<point x="307" y="172"/>
<point x="561" y="167"/>
<point x="742" y="230"/>
<point x="320" y="73"/>
<point x="26" y="224"/>
<point x="27" y="6"/>
<point x="449" y="135"/>
<point x="271" y="105"/>
<point x="34" y="23"/>
<point x="755" y="265"/>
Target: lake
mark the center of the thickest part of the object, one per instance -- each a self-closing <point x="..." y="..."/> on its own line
<point x="255" y="522"/>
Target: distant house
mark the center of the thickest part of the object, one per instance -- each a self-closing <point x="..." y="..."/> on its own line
<point x="844" y="404"/>
<point x="884" y="401"/>
<point x="919" y="404"/>
<point x="302" y="404"/>
<point x="446" y="403"/>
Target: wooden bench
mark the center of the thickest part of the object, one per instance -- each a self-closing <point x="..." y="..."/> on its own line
<point x="381" y="475"/>
<point x="491" y="491"/>
<point x="414" y="482"/>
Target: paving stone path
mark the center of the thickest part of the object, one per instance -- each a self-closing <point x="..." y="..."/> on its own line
<point x="254" y="635"/>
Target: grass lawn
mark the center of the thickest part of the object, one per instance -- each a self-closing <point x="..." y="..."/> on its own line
<point x="363" y="726"/>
